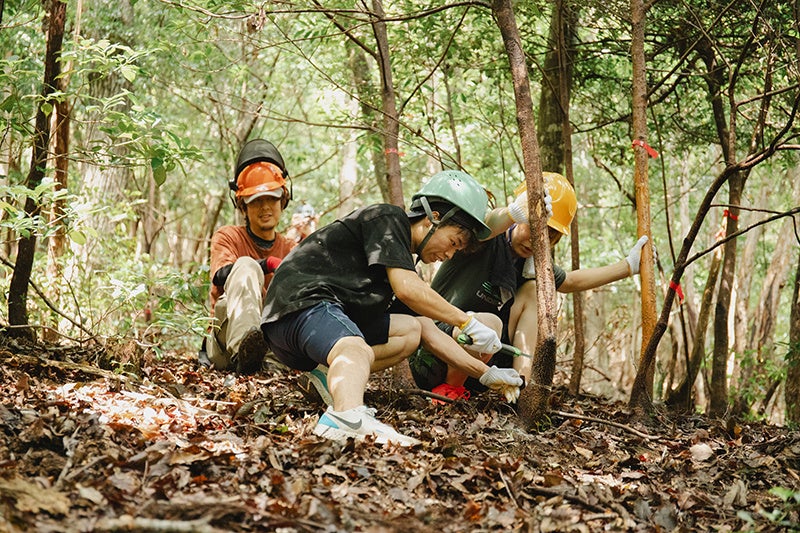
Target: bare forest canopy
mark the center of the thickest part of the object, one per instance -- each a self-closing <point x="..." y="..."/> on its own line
<point x="122" y="120"/>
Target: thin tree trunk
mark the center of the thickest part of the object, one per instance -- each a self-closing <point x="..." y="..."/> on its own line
<point x="391" y="121"/>
<point x="18" y="288"/>
<point x="744" y="281"/>
<point x="151" y="223"/>
<point x="348" y="171"/>
<point x="451" y="119"/>
<point x="533" y="400"/>
<point x="13" y="166"/>
<point x="213" y="208"/>
<point x="60" y="127"/>
<point x="719" y="364"/>
<point x="56" y="240"/>
<point x="761" y="339"/>
<point x="562" y="29"/>
<point x="792" y="389"/>
<point x="554" y="134"/>
<point x="556" y="71"/>
<point x="641" y="155"/>
<point x="366" y="95"/>
<point x="719" y="383"/>
<point x="681" y="397"/>
<point x="401" y="373"/>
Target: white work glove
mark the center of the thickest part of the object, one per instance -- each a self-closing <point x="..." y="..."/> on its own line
<point x="529" y="269"/>
<point x="484" y="338"/>
<point x="518" y="210"/>
<point x="548" y="203"/>
<point x="506" y="381"/>
<point x="635" y="255"/>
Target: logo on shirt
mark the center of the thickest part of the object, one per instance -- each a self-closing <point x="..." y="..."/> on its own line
<point x="490" y="294"/>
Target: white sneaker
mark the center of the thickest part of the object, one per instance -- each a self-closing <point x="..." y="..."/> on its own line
<point x="357" y="423"/>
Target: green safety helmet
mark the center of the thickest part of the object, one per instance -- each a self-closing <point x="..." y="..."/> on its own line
<point x="462" y="191"/>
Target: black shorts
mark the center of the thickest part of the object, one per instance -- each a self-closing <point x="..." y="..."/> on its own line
<point x="303" y="339"/>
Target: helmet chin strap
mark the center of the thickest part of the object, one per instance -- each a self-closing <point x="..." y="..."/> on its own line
<point x="434" y="224"/>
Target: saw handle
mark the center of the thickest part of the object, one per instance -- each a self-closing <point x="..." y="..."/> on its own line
<point x="507" y="349"/>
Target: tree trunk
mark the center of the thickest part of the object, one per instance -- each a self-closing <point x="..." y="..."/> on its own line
<point x="451" y="119"/>
<point x="556" y="71"/>
<point x="760" y="346"/>
<point x="744" y="281"/>
<point x="401" y="374"/>
<point x="213" y="208"/>
<point x="792" y="390"/>
<point x="719" y="363"/>
<point x="56" y="242"/>
<point x="366" y="95"/>
<point x="641" y="154"/>
<point x="13" y="166"/>
<point x="104" y="182"/>
<point x="348" y="171"/>
<point x="391" y="121"/>
<point x="533" y="400"/>
<point x="554" y="115"/>
<point x="681" y="397"/>
<point x="150" y="222"/>
<point x="18" y="289"/>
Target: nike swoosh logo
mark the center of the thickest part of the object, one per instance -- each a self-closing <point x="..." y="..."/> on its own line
<point x="351" y="425"/>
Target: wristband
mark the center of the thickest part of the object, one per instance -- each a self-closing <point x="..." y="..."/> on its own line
<point x="465" y="324"/>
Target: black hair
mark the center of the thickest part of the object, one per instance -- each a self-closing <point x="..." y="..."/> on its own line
<point x="460" y="219"/>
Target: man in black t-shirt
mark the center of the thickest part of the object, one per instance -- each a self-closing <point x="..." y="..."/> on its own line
<point x="498" y="278"/>
<point x="328" y="301"/>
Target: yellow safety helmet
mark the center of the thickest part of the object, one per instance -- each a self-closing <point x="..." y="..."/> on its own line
<point x="565" y="203"/>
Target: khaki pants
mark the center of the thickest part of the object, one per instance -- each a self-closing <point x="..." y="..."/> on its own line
<point x="237" y="311"/>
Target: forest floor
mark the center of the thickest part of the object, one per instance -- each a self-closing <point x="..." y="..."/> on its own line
<point x="169" y="447"/>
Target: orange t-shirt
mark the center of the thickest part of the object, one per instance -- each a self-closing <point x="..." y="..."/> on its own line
<point x="229" y="243"/>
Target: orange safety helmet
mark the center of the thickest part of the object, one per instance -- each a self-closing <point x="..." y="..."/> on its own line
<point x="260" y="171"/>
<point x="260" y="179"/>
<point x="565" y="203"/>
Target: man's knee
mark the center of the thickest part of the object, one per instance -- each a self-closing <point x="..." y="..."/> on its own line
<point x="410" y="331"/>
<point x="246" y="266"/>
<point x="354" y="348"/>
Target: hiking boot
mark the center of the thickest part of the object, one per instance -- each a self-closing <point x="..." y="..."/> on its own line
<point x="357" y="423"/>
<point x="314" y="385"/>
<point x="251" y="352"/>
<point x="454" y="392"/>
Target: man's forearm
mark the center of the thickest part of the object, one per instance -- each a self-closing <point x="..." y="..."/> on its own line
<point x="591" y="278"/>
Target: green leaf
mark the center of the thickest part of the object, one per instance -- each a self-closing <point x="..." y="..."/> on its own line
<point x="9" y="103"/>
<point x="784" y="494"/>
<point x="159" y="171"/>
<point x="128" y="72"/>
<point x="77" y="237"/>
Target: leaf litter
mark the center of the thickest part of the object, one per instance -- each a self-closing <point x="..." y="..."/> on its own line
<point x="173" y="447"/>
